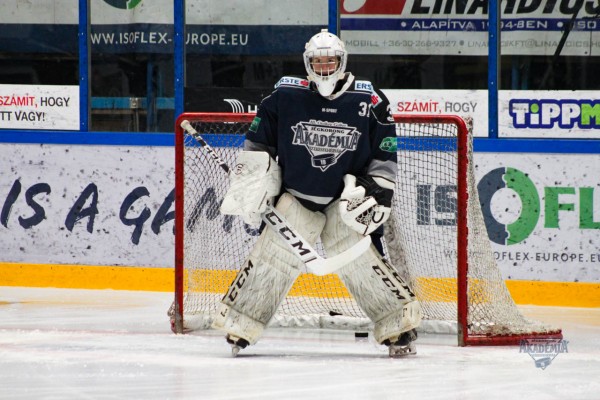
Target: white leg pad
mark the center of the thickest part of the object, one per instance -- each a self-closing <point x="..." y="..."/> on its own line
<point x="392" y="326"/>
<point x="375" y="285"/>
<point x="267" y="275"/>
<point x="238" y="324"/>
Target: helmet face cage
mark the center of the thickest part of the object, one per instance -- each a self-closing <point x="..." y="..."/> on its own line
<point x="325" y="61"/>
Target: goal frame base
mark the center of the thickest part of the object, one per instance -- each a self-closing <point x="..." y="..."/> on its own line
<point x="506" y="340"/>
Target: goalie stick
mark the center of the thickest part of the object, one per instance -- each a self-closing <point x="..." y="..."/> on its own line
<point x="298" y="245"/>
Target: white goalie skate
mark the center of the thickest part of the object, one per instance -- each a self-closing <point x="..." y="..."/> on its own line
<point x="404" y="346"/>
<point x="236" y="343"/>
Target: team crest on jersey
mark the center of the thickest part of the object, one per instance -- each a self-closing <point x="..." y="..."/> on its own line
<point x="325" y="141"/>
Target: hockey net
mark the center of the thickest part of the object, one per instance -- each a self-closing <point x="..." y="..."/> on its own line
<point x="436" y="238"/>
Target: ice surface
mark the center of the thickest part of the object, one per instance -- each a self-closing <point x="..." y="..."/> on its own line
<point x="88" y="344"/>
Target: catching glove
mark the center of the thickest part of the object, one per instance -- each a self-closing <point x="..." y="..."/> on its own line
<point x="366" y="202"/>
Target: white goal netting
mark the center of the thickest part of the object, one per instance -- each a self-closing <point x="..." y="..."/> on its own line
<point x="422" y="238"/>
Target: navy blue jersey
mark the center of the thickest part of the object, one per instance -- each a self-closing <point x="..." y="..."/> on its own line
<point x="317" y="140"/>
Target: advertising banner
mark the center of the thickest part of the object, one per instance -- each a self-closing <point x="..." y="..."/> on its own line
<point x="113" y="205"/>
<point x="449" y="27"/>
<point x="39" y="107"/>
<point x="440" y="27"/>
<point x="40" y="12"/>
<point x="549" y="114"/>
<point x="542" y="213"/>
<point x="136" y="26"/>
<point x="91" y="205"/>
<point x="464" y="103"/>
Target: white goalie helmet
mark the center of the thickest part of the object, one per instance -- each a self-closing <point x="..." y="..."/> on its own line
<point x="325" y="59"/>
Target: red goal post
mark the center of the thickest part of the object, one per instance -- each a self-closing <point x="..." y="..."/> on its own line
<point x="436" y="237"/>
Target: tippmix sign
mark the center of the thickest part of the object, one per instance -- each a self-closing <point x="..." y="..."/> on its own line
<point x="550" y="114"/>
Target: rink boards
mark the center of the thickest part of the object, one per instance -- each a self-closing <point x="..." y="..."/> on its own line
<point x="100" y="216"/>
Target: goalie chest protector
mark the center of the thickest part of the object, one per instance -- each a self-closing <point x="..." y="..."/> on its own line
<point x="319" y="140"/>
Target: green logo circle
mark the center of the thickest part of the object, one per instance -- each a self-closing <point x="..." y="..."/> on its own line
<point x="123" y="4"/>
<point x="535" y="108"/>
<point x="519" y="182"/>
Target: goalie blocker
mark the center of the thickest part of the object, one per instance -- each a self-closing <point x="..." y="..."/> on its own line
<point x="254" y="181"/>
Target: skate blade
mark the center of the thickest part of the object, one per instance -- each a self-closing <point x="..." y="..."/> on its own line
<point x="235" y="350"/>
<point x="404" y="351"/>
